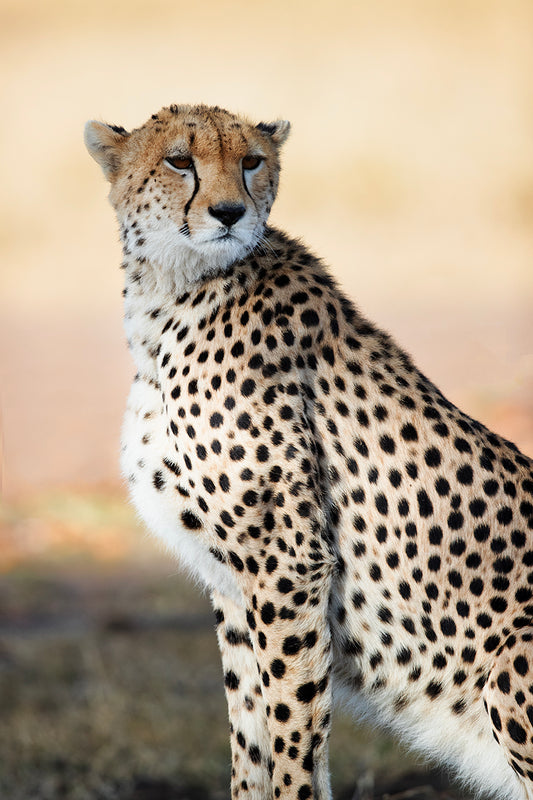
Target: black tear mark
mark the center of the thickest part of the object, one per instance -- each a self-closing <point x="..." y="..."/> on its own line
<point x="195" y="192"/>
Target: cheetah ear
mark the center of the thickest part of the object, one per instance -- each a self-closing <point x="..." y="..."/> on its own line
<point x="278" y="131"/>
<point x="105" y="144"/>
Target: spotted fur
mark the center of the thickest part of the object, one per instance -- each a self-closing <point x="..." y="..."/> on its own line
<point x="358" y="534"/>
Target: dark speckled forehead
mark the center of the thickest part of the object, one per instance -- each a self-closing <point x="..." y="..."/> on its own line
<point x="205" y="131"/>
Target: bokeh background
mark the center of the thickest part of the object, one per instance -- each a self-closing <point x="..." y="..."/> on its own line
<point x="409" y="169"/>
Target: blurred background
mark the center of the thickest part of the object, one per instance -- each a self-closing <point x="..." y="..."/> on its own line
<point x="409" y="169"/>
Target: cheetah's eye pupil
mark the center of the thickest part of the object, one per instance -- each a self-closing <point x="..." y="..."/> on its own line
<point x="251" y="162"/>
<point x="179" y="162"/>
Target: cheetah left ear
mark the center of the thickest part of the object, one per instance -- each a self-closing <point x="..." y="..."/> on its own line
<point x="278" y="131"/>
<point x="105" y="144"/>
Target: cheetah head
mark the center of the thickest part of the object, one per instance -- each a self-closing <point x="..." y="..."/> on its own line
<point x="192" y="188"/>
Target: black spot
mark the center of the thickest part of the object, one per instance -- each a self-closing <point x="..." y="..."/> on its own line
<point x="353" y="647"/>
<point x="387" y="444"/>
<point x="463" y="609"/>
<point x="405" y="590"/>
<point x="271" y="564"/>
<point x="354" y="367"/>
<point x="236" y="561"/>
<point x="468" y="655"/>
<point x="291" y="645"/>
<point x="465" y="475"/>
<point x="248" y="387"/>
<point x="252" y="565"/>
<point x="459" y="707"/>
<point x="282" y="712"/>
<point x="190" y="520"/>
<point x="491" y="643"/>
<point x="521" y="665"/>
<point x="231" y="680"/>
<point x="433" y="689"/>
<point x="409" y="433"/>
<point x="268" y="613"/>
<point x="255" y="754"/>
<point x="361" y="447"/>
<point x="285" y="585"/>
<point x="503" y="565"/>
<point x="432" y="457"/>
<point x="277" y="668"/>
<point x="459" y="677"/>
<point x="481" y="533"/>
<point x="462" y="445"/>
<point x="262" y="453"/>
<point x="309" y="318"/>
<point x="495" y="717"/>
<point x="425" y="506"/>
<point x="237" y="453"/>
<point x="306" y="692"/>
<point x="435" y="535"/>
<point x="516" y="731"/>
<point x="442" y="487"/>
<point x="404" y="656"/>
<point x="158" y="481"/>
<point x="504" y="515"/>
<point x="455" y="520"/>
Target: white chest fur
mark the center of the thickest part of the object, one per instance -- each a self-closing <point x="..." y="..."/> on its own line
<point x="144" y="446"/>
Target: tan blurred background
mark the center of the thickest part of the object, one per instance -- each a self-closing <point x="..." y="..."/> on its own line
<point x="409" y="169"/>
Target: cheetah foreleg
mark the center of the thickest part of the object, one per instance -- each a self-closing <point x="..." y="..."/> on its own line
<point x="292" y="644"/>
<point x="250" y="741"/>
<point x="509" y="703"/>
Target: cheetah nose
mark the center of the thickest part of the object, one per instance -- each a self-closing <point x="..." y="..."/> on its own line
<point x="227" y="213"/>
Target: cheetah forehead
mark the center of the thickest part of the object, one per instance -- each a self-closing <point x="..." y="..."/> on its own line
<point x="209" y="133"/>
<point x="196" y="129"/>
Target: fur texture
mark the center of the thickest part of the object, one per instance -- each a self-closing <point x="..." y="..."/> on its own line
<point x="358" y="534"/>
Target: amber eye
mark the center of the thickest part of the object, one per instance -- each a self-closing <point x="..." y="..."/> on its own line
<point x="179" y="162"/>
<point x="251" y="162"/>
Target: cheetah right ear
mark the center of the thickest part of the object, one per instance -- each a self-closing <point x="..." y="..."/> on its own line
<point x="105" y="144"/>
<point x="278" y="131"/>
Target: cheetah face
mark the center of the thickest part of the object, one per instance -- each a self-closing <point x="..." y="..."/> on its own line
<point x="193" y="187"/>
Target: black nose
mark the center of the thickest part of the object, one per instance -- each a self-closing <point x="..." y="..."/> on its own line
<point x="227" y="213"/>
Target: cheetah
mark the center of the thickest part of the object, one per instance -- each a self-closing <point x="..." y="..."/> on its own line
<point x="362" y="540"/>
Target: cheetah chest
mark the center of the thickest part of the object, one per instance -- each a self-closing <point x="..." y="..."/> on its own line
<point x="158" y="491"/>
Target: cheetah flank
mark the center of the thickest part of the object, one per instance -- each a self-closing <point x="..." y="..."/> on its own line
<point x="361" y="538"/>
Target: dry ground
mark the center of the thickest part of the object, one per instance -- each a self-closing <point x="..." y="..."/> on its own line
<point x="110" y="682"/>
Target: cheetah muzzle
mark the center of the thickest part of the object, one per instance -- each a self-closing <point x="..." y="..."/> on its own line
<point x="360" y="537"/>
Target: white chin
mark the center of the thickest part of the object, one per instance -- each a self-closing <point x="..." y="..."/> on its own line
<point x="222" y="253"/>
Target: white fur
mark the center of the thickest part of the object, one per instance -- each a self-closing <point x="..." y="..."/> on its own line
<point x="477" y="760"/>
<point x="176" y="261"/>
<point x="159" y="510"/>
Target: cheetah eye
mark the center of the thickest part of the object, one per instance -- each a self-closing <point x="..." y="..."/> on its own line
<point x="251" y="162"/>
<point x="179" y="162"/>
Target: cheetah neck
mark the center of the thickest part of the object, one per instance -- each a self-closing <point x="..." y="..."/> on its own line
<point x="150" y="295"/>
<point x="149" y="292"/>
<point x="152" y="291"/>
